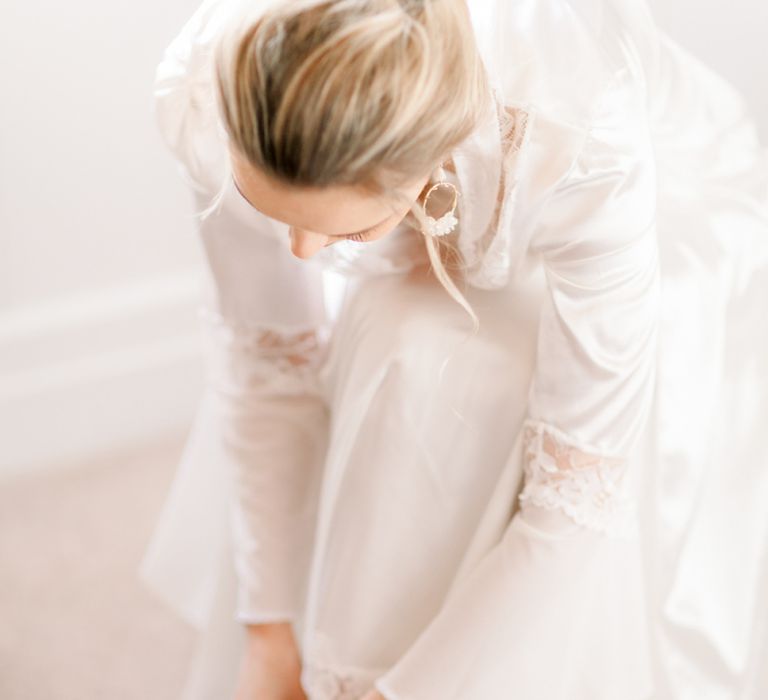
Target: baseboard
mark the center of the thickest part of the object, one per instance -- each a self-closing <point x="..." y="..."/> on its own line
<point x="96" y="374"/>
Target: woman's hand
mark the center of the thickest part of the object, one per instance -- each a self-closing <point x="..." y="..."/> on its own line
<point x="270" y="668"/>
<point x="373" y="695"/>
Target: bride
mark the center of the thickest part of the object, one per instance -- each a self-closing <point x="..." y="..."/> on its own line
<point x="487" y="362"/>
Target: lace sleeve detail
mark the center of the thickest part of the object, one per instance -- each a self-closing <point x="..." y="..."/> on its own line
<point x="324" y="678"/>
<point x="576" y="480"/>
<point x="264" y="356"/>
<point x="271" y="425"/>
<point x="335" y="684"/>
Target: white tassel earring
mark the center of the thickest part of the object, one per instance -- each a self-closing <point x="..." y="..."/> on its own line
<point x="448" y="221"/>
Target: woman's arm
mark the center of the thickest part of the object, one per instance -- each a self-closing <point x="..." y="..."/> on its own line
<point x="263" y="319"/>
<point x="264" y="325"/>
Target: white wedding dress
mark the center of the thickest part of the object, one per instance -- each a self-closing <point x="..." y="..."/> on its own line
<point x="571" y="504"/>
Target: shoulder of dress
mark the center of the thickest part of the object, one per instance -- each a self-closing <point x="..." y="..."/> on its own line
<point x="557" y="57"/>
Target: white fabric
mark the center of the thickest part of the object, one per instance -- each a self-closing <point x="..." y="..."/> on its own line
<point x="572" y="505"/>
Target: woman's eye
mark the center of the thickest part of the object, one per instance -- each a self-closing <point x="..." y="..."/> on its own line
<point x="366" y="235"/>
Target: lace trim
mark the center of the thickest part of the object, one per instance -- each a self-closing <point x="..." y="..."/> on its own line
<point x="586" y="486"/>
<point x="324" y="683"/>
<point x="250" y="353"/>
<point x="492" y="250"/>
<point x="513" y="124"/>
<point x="325" y="679"/>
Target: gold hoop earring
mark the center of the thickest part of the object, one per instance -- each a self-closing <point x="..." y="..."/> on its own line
<point x="448" y="221"/>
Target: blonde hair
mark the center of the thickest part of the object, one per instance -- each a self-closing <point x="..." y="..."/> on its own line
<point x="367" y="93"/>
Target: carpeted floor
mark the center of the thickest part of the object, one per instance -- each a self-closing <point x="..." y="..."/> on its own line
<point x="75" y="622"/>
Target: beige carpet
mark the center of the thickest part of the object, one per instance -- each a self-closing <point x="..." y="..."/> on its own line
<point x="75" y="622"/>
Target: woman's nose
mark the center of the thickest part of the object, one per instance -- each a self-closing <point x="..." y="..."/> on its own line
<point x="304" y="244"/>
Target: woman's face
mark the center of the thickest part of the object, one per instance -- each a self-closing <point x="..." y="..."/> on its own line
<point x="318" y="217"/>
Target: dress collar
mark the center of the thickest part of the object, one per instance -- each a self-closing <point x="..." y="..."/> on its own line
<point x="478" y="169"/>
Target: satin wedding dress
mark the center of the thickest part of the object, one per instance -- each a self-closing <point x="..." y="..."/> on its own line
<point x="570" y="504"/>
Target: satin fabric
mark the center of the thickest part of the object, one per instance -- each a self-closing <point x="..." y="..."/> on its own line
<point x="635" y="206"/>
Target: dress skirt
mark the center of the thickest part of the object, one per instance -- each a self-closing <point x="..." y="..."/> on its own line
<point x="424" y="416"/>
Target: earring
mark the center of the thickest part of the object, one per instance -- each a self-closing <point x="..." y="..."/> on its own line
<point x="448" y="221"/>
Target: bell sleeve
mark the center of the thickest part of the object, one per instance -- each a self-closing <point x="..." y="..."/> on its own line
<point x="265" y="329"/>
<point x="554" y="609"/>
<point x="265" y="340"/>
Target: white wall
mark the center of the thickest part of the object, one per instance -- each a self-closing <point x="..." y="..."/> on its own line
<point x="90" y="198"/>
<point x="98" y="256"/>
<point x="99" y="259"/>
